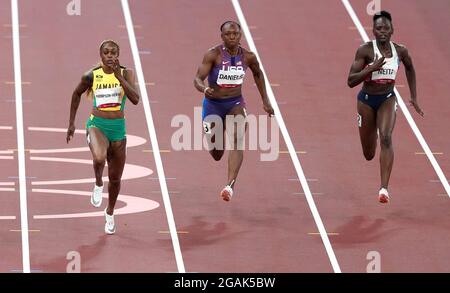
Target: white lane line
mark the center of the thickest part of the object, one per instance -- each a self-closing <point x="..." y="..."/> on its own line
<point x="405" y="110"/>
<point x="7" y="183"/>
<point x="6" y="128"/>
<point x="20" y="138"/>
<point x="153" y="140"/>
<point x="289" y="144"/>
<point x="6" y="157"/>
<point x="7" y="217"/>
<point x="6" y="152"/>
<point x="308" y="179"/>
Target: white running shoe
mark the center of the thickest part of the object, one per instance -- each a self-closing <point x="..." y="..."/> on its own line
<point x="110" y="226"/>
<point x="383" y="195"/>
<point x="227" y="193"/>
<point x="97" y="196"/>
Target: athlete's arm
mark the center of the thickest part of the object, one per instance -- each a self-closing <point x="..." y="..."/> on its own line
<point x="127" y="82"/>
<point x="84" y="85"/>
<point x="358" y="71"/>
<point x="410" y="76"/>
<point x="203" y="71"/>
<point x="258" y="76"/>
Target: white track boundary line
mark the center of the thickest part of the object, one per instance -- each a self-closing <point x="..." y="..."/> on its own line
<point x="289" y="144"/>
<point x="20" y="138"/>
<point x="403" y="106"/>
<point x="153" y="138"/>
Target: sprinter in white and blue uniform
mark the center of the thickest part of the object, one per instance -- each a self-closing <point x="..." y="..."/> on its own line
<point x="376" y="65"/>
<point x="224" y="65"/>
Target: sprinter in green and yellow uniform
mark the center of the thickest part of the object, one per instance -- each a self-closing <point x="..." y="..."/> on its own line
<point x="109" y="85"/>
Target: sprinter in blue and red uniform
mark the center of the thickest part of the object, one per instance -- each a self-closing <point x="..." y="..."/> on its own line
<point x="224" y="65"/>
<point x="376" y="65"/>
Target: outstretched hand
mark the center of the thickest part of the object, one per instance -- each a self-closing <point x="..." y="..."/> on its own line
<point x="416" y="107"/>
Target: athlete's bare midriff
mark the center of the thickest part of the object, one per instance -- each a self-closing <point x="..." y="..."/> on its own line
<point x="223" y="93"/>
<point x="107" y="114"/>
<point x="373" y="88"/>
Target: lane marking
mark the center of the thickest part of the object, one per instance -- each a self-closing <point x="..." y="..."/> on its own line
<point x="6" y="157"/>
<point x="20" y="230"/>
<point x="7" y="183"/>
<point x="7" y="217"/>
<point x="152" y="134"/>
<point x="328" y="233"/>
<point x="170" y="192"/>
<point x="288" y="142"/>
<point x="179" y="232"/>
<point x="137" y="37"/>
<point x="297" y="152"/>
<point x="272" y="84"/>
<point x="355" y="28"/>
<point x="21" y="82"/>
<point x="6" y="128"/>
<point x="151" y="151"/>
<point x="435" y="181"/>
<point x="402" y="105"/>
<point x="6" y="152"/>
<point x="20" y="137"/>
<point x="31" y="271"/>
<point x="17" y="150"/>
<point x="308" y="179"/>
<point x="14" y="100"/>
<point x="10" y="25"/>
<point x="130" y="171"/>
<point x="434" y="153"/>
<point x="133" y="204"/>
<point x="137" y="26"/>
<point x="132" y="141"/>
<point x="313" y="193"/>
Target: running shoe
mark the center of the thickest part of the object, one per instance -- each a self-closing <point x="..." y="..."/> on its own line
<point x="383" y="196"/>
<point x="227" y="193"/>
<point x="110" y="226"/>
<point x="97" y="196"/>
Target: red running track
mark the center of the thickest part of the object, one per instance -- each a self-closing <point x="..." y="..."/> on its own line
<point x="268" y="226"/>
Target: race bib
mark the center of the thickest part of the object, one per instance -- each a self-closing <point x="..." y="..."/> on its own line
<point x="230" y="76"/>
<point x="207" y="127"/>
<point x="108" y="97"/>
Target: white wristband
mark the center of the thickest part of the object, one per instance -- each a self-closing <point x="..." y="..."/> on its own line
<point x="206" y="88"/>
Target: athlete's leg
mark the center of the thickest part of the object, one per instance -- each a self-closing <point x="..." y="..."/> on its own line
<point x="116" y="163"/>
<point x="98" y="144"/>
<point x="236" y="154"/>
<point x="216" y="153"/>
<point x="385" y="123"/>
<point x="367" y="129"/>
